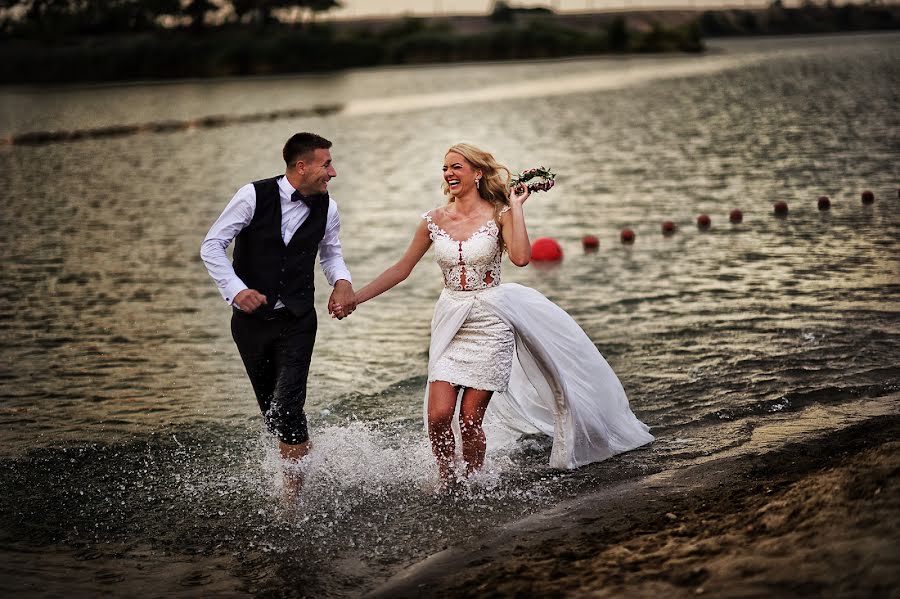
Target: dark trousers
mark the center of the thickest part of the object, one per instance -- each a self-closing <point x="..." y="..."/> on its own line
<point x="276" y="350"/>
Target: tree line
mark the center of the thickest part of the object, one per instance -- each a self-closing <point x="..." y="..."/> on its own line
<point x="59" y="41"/>
<point x="42" y="18"/>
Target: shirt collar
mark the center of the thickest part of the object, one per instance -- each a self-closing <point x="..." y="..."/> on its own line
<point x="287" y="190"/>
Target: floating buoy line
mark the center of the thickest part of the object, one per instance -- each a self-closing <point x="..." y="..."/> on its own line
<point x="547" y="249"/>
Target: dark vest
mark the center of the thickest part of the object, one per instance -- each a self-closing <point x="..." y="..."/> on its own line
<point x="265" y="263"/>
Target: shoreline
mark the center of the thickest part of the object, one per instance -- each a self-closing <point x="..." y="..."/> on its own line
<point x="814" y="515"/>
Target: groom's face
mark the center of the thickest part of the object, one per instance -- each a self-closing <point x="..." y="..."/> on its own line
<point x="316" y="170"/>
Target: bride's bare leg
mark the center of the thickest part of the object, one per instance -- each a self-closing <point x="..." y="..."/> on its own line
<point x="471" y="414"/>
<point x="441" y="405"/>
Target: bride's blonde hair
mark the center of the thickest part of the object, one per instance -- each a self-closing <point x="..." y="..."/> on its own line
<point x="495" y="177"/>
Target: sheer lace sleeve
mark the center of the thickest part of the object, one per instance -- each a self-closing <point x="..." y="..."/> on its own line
<point x="433" y="229"/>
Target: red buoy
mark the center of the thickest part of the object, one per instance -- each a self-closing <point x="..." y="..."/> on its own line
<point x="627" y="236"/>
<point x="736" y="216"/>
<point x="546" y="249"/>
<point x="668" y="227"/>
<point x="824" y="203"/>
<point x="781" y="208"/>
<point x="703" y="221"/>
<point x="590" y="242"/>
<point x="868" y="197"/>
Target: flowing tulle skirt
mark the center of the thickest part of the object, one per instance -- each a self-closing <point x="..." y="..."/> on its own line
<point x="559" y="385"/>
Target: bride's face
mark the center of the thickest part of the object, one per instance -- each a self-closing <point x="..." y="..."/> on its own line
<point x="459" y="175"/>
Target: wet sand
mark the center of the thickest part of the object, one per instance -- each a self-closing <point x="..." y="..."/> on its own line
<point x="813" y="517"/>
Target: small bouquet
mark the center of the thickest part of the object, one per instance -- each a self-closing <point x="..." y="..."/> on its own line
<point x="535" y="179"/>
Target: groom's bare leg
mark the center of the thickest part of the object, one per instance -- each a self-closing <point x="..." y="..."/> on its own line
<point x="292" y="454"/>
<point x="441" y="405"/>
<point x="471" y="415"/>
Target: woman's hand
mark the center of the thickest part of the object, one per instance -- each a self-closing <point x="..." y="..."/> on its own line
<point x="518" y="195"/>
<point x="341" y="311"/>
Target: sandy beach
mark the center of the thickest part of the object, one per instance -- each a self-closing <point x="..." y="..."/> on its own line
<point x="814" y="517"/>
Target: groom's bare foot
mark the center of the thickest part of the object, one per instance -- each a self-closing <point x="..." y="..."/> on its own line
<point x="293" y="483"/>
<point x="293" y="475"/>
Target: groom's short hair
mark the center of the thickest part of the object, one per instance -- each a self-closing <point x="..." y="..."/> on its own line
<point x="301" y="144"/>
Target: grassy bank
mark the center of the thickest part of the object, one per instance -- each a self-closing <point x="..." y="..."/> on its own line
<point x="242" y="50"/>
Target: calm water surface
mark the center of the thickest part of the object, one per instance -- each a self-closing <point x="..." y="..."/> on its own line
<point x="132" y="456"/>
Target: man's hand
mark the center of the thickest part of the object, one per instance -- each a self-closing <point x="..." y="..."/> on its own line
<point x="342" y="302"/>
<point x="249" y="300"/>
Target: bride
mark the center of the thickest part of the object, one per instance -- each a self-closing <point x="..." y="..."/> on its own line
<point x="518" y="361"/>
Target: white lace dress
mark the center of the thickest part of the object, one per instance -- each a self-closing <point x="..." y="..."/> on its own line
<point x="547" y="375"/>
<point x="480" y="354"/>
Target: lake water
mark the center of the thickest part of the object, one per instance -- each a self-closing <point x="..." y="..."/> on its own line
<point x="132" y="457"/>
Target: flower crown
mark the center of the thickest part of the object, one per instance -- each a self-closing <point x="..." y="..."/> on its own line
<point x="535" y="179"/>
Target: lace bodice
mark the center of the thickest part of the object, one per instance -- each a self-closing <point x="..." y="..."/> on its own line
<point x="470" y="264"/>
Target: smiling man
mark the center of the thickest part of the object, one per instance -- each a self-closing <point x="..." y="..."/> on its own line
<point x="278" y="226"/>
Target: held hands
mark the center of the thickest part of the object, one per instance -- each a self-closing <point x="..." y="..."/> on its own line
<point x="249" y="300"/>
<point x="342" y="302"/>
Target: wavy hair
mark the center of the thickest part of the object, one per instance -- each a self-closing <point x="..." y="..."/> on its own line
<point x="495" y="177"/>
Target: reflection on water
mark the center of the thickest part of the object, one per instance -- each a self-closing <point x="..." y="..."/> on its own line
<point x="131" y="447"/>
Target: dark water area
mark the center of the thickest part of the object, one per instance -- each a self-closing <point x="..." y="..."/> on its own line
<point x="132" y="458"/>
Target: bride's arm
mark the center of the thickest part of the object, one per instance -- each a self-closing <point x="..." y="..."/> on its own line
<point x="515" y="235"/>
<point x="398" y="273"/>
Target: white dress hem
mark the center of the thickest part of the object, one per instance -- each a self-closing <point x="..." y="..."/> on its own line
<point x="560" y="385"/>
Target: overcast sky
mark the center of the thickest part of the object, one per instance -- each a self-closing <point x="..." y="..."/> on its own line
<point x="366" y="8"/>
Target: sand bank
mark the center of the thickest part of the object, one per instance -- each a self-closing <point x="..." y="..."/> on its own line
<point x="817" y="516"/>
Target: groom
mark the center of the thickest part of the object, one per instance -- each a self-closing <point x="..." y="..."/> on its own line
<point x="278" y="226"/>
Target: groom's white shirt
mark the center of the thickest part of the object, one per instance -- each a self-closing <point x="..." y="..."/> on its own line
<point x="238" y="214"/>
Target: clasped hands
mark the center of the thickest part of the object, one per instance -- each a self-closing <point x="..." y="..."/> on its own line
<point x="341" y="304"/>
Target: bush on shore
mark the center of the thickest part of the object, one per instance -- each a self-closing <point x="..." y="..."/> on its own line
<point x="809" y="18"/>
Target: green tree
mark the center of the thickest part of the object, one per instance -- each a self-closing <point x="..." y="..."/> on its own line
<point x="502" y="13"/>
<point x="617" y="35"/>
<point x="262" y="11"/>
<point x="197" y="11"/>
<point x="258" y="11"/>
<point x="317" y="6"/>
<point x="65" y="17"/>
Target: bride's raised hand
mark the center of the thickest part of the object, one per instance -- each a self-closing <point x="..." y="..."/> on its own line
<point x="518" y="195"/>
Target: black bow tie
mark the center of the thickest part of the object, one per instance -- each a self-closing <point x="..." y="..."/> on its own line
<point x="308" y="200"/>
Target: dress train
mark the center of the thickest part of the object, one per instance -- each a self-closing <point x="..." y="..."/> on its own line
<point x="560" y="384"/>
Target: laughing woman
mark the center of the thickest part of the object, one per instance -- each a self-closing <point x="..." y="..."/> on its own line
<point x="504" y="353"/>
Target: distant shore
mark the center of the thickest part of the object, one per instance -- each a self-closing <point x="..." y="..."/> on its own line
<point x="237" y="50"/>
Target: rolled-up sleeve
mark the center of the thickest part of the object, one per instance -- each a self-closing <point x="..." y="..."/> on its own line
<point x="331" y="256"/>
<point x="214" y="249"/>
